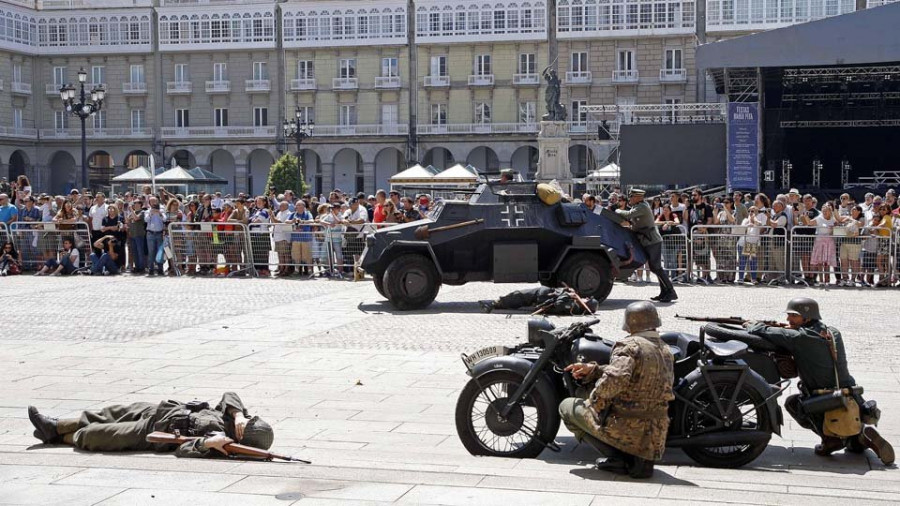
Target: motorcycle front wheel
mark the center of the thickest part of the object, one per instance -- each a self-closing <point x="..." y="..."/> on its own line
<point x="754" y="416"/>
<point x="529" y="427"/>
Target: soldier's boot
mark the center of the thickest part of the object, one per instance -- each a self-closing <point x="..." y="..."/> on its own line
<point x="45" y="426"/>
<point x="640" y="468"/>
<point x="829" y="445"/>
<point x="612" y="465"/>
<point x="669" y="296"/>
<point x="873" y="440"/>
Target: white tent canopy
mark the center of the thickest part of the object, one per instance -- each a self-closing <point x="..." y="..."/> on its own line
<point x="605" y="173"/>
<point x="456" y="174"/>
<point x="414" y="174"/>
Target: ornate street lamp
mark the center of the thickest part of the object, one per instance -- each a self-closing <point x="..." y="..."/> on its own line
<point x="298" y="129"/>
<point x="83" y="105"/>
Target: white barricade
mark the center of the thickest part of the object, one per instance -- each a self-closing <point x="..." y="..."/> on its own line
<point x="38" y="242"/>
<point x="861" y="258"/>
<point x="4" y="233"/>
<point x="738" y="253"/>
<point x="220" y="248"/>
<point x="675" y="252"/>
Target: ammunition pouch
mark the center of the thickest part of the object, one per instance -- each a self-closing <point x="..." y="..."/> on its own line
<point x="180" y="423"/>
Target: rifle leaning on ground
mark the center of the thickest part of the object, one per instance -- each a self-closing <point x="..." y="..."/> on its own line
<point x="729" y="320"/>
<point x="231" y="448"/>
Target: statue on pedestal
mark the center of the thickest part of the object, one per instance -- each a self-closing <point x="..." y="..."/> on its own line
<point x="555" y="110"/>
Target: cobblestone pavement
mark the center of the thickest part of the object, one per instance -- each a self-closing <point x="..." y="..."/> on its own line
<point x="369" y="394"/>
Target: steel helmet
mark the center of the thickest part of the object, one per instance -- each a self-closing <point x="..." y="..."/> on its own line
<point x="258" y="434"/>
<point x="640" y="316"/>
<point x="807" y="308"/>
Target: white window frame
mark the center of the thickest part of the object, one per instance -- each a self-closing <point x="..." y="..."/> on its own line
<point x="483" y="65"/>
<point x="307" y="113"/>
<point x="527" y="112"/>
<point x="98" y="74"/>
<point x="60" y="76"/>
<point x="182" y="73"/>
<point x="483" y="113"/>
<point x="438" y="114"/>
<point x="306" y="69"/>
<point x="260" y="116"/>
<point x="60" y="120"/>
<point x="347" y="68"/>
<point x="260" y="71"/>
<point x="220" y="72"/>
<point x="390" y="67"/>
<point x="138" y="119"/>
<point x="347" y="114"/>
<point x="18" y="118"/>
<point x="626" y="60"/>
<point x="220" y="117"/>
<point x="390" y="114"/>
<point x="438" y="66"/>
<point x="580" y="61"/>
<point x="136" y="73"/>
<point x="578" y="116"/>
<point x="182" y="118"/>
<point x="17" y="73"/>
<point x="98" y="120"/>
<point x="527" y="63"/>
<point x="673" y="59"/>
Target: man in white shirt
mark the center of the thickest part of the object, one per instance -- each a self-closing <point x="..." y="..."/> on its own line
<point x="217" y="201"/>
<point x="355" y="218"/>
<point x="96" y="214"/>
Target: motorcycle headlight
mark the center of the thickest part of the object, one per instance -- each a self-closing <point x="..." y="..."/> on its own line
<point x="535" y="326"/>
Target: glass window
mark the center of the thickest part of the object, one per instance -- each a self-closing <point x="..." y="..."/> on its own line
<point x="527" y="63"/>
<point x="389" y="114"/>
<point x="483" y="64"/>
<point x="60" y="120"/>
<point x="577" y="115"/>
<point x="182" y="118"/>
<point x="260" y="71"/>
<point x="260" y="116"/>
<point x="347" y="68"/>
<point x="527" y="112"/>
<point x="181" y="73"/>
<point x="482" y="113"/>
<point x="625" y="61"/>
<point x="307" y="113"/>
<point x="220" y="72"/>
<point x="347" y="115"/>
<point x="438" y="114"/>
<point x="579" y="62"/>
<point x="59" y="76"/>
<point x="137" y="73"/>
<point x="98" y="74"/>
<point x="305" y="69"/>
<point x="673" y="59"/>
<point x="137" y="119"/>
<point x="99" y="120"/>
<point x="221" y="117"/>
<point x="439" y="66"/>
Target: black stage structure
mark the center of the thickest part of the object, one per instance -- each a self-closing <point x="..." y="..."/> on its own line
<point x="830" y="98"/>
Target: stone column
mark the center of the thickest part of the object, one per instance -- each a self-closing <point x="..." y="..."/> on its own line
<point x="553" y="154"/>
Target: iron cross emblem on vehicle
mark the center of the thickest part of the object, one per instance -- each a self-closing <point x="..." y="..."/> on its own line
<point x="517" y="214"/>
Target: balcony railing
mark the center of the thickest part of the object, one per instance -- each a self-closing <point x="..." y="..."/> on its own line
<point x="526" y="79"/>
<point x="178" y="87"/>
<point x="305" y="84"/>
<point x="356" y="130"/>
<point x="672" y="75"/>
<point x="387" y="83"/>
<point x="87" y="4"/>
<point x="168" y="3"/>
<point x="18" y="132"/>
<point x="437" y="81"/>
<point x="477" y="128"/>
<point x="211" y="132"/>
<point x="218" y="86"/>
<point x="481" y="80"/>
<point x="96" y="133"/>
<point x="625" y="76"/>
<point x="134" y="88"/>
<point x="579" y="77"/>
<point x="345" y="83"/>
<point x="21" y="88"/>
<point x="257" y="86"/>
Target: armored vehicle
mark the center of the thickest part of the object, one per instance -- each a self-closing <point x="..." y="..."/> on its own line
<point x="503" y="233"/>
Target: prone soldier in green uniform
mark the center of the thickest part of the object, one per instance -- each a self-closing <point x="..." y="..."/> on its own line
<point x="640" y="216"/>
<point x="814" y="347"/>
<point x="125" y="427"/>
<point x="626" y="415"/>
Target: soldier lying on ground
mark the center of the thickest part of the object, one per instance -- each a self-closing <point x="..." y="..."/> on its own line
<point x="125" y="427"/>
<point x="548" y="301"/>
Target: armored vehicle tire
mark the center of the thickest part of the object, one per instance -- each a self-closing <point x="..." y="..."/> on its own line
<point x="553" y="282"/>
<point x="378" y="279"/>
<point x="589" y="274"/>
<point x="411" y="282"/>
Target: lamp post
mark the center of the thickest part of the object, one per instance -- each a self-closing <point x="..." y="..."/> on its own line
<point x="83" y="105"/>
<point x="298" y="129"/>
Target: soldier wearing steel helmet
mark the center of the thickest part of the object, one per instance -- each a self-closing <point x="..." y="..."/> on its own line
<point x="125" y="427"/>
<point x="626" y="415"/>
<point x="807" y="340"/>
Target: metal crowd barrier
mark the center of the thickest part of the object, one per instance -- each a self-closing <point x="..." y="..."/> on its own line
<point x="739" y="253"/>
<point x="4" y="233"/>
<point x="863" y="258"/>
<point x="38" y="242"/>
<point x="675" y="252"/>
<point x="222" y="248"/>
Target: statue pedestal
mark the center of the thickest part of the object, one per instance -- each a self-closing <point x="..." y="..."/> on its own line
<point x="553" y="154"/>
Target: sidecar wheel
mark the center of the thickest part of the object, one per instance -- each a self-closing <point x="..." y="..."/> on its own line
<point x="691" y="420"/>
<point x="523" y="434"/>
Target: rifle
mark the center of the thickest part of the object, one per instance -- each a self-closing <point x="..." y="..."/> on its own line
<point x="232" y="448"/>
<point x="578" y="299"/>
<point x="729" y="320"/>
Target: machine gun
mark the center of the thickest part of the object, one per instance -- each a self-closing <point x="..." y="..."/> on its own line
<point x="729" y="320"/>
<point x="231" y="448"/>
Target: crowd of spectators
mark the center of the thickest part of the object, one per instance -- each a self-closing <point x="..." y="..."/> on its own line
<point x="743" y="238"/>
<point x="129" y="233"/>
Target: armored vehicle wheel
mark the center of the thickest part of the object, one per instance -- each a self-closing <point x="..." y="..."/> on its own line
<point x="378" y="279"/>
<point x="550" y="283"/>
<point x="589" y="274"/>
<point x="411" y="282"/>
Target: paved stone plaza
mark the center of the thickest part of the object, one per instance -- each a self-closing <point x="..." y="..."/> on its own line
<point x="368" y="395"/>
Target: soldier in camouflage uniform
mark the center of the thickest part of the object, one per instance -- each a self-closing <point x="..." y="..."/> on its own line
<point x="626" y="415"/>
<point x="125" y="427"/>
<point x="640" y="216"/>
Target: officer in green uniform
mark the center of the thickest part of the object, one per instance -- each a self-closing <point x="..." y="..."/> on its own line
<point x="640" y="216"/>
<point x="125" y="427"/>
<point x="807" y="340"/>
<point x="626" y="415"/>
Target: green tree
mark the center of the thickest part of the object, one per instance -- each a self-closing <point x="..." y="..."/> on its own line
<point x="287" y="174"/>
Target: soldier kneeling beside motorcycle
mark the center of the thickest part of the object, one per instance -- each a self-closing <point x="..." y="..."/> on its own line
<point x="830" y="403"/>
<point x="625" y="416"/>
